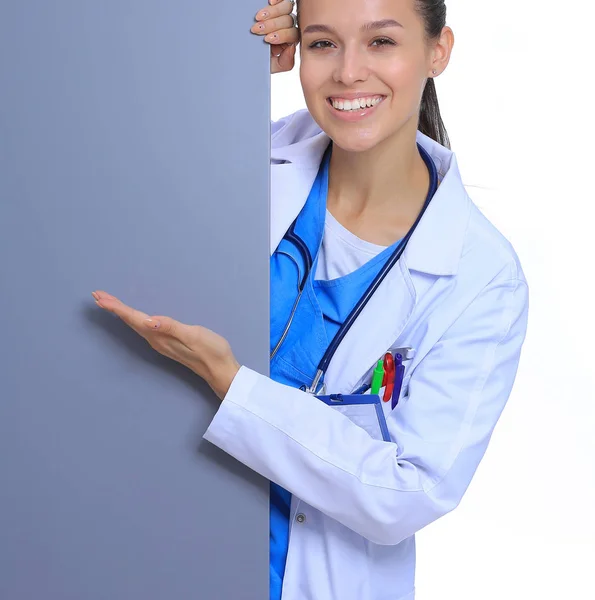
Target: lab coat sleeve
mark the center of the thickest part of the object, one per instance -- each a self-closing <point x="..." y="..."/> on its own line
<point x="386" y="491"/>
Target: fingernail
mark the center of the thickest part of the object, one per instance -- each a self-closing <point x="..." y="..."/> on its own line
<point x="271" y="37"/>
<point x="152" y="324"/>
<point x="262" y="15"/>
<point x="258" y="27"/>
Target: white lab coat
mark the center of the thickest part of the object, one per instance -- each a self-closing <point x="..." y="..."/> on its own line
<point x="458" y="296"/>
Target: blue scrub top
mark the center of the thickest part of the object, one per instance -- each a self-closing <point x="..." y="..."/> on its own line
<point x="323" y="307"/>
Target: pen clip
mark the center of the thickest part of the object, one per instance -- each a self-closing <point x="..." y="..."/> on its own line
<point x="406" y="352"/>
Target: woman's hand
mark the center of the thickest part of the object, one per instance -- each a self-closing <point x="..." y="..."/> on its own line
<point x="276" y="23"/>
<point x="207" y="354"/>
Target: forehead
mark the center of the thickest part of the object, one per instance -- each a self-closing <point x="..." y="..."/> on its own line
<point x="354" y="13"/>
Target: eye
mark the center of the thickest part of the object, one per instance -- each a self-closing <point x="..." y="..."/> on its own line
<point x="384" y="42"/>
<point x="321" y="44"/>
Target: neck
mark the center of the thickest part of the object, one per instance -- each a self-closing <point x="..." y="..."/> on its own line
<point x="378" y="193"/>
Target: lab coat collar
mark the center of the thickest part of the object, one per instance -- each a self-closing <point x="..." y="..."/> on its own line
<point x="436" y="245"/>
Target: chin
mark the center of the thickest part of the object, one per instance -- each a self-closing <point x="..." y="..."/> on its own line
<point x="355" y="141"/>
<point x="352" y="137"/>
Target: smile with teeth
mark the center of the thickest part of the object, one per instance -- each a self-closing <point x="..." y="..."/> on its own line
<point x="356" y="104"/>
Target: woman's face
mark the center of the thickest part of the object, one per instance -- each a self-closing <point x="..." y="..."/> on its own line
<point x="364" y="65"/>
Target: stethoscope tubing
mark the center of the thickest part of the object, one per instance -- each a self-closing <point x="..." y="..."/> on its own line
<point x="292" y="237"/>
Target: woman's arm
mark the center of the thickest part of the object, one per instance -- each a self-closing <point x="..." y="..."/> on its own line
<point x="386" y="491"/>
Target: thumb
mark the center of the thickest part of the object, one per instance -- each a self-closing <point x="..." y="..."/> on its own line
<point x="287" y="57"/>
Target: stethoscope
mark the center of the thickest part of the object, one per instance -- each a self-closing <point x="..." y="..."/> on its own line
<point x="294" y="239"/>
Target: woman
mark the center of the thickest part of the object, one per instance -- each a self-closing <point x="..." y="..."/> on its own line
<point x="364" y="174"/>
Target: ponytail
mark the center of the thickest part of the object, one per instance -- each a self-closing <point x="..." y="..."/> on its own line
<point x="430" y="120"/>
<point x="433" y="14"/>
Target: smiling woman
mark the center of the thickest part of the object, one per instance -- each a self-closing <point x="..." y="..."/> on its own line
<point x="433" y="21"/>
<point x="378" y="258"/>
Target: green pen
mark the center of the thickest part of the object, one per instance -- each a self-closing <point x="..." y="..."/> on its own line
<point x="377" y="378"/>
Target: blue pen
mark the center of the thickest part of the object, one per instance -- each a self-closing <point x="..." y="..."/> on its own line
<point x="399" y="373"/>
<point x="362" y="389"/>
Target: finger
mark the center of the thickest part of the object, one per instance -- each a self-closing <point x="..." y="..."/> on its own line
<point x="264" y="27"/>
<point x="285" y="36"/>
<point x="284" y="7"/>
<point x="162" y="325"/>
<point x="132" y="317"/>
<point x="277" y="51"/>
<point x="101" y="294"/>
<point x="286" y="59"/>
<point x="165" y="325"/>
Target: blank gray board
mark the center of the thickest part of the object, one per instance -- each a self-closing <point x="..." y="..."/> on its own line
<point x="134" y="152"/>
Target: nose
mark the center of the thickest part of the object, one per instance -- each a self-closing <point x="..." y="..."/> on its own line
<point x="352" y="66"/>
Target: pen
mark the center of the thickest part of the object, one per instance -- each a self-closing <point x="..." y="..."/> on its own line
<point x="399" y="373"/>
<point x="377" y="378"/>
<point x="389" y="376"/>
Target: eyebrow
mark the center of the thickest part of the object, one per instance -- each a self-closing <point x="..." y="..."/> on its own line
<point x="372" y="25"/>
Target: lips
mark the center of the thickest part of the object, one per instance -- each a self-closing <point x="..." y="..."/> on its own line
<point x="345" y="103"/>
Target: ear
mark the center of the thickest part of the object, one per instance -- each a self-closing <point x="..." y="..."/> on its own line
<point x="441" y="51"/>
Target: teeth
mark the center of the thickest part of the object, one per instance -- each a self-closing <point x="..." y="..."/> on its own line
<point x="356" y="104"/>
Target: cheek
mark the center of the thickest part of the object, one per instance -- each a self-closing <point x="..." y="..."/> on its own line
<point x="402" y="77"/>
<point x="312" y="76"/>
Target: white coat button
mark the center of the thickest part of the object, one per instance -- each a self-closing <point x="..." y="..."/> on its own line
<point x="301" y="518"/>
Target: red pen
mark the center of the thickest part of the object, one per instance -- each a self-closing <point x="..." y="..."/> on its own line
<point x="389" y="376"/>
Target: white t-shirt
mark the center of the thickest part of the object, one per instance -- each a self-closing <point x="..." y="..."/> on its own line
<point x="341" y="251"/>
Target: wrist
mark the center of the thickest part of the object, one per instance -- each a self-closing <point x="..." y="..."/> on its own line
<point x="222" y="377"/>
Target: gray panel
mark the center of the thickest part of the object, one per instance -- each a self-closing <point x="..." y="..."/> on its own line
<point x="133" y="158"/>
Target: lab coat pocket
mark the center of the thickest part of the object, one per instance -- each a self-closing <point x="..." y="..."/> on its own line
<point x="404" y="388"/>
<point x="363" y="410"/>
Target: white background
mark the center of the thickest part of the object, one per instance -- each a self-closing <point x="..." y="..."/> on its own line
<point x="515" y="103"/>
